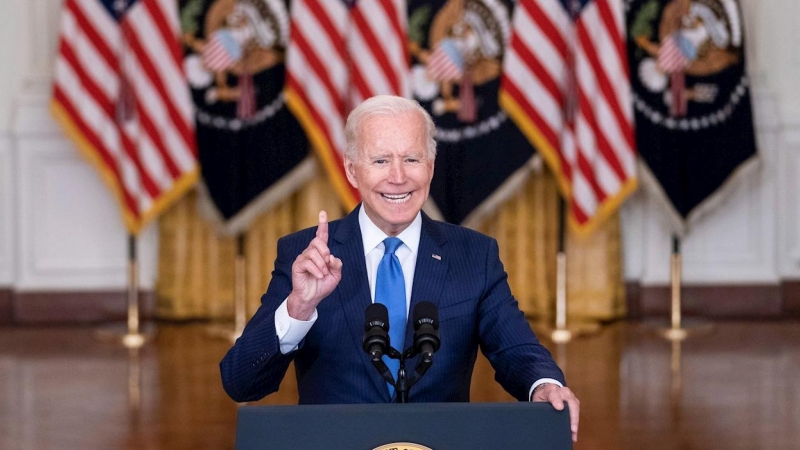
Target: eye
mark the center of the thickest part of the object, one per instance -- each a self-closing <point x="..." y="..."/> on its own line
<point x="412" y="160"/>
<point x="380" y="161"/>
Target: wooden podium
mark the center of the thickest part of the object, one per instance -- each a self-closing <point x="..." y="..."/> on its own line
<point x="412" y="426"/>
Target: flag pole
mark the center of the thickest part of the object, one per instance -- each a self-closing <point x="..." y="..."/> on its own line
<point x="132" y="335"/>
<point x="675" y="332"/>
<point x="240" y="307"/>
<point x="239" y="303"/>
<point x="133" y="339"/>
<point x="680" y="328"/>
<point x="561" y="334"/>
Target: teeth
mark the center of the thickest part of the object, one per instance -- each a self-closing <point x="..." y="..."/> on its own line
<point x="398" y="198"/>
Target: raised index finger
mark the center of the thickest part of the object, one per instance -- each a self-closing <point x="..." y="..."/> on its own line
<point x="322" y="229"/>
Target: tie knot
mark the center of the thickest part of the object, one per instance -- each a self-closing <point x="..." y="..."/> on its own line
<point x="390" y="245"/>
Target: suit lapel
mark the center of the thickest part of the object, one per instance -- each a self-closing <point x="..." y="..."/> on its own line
<point x="353" y="289"/>
<point x="430" y="272"/>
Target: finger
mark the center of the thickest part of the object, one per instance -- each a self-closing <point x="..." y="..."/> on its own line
<point x="573" y="423"/>
<point x="319" y="260"/>
<point x="335" y="264"/>
<point x="574" y="417"/>
<point x="322" y="228"/>
<point x="320" y="246"/>
<point x="308" y="266"/>
<point x="555" y="399"/>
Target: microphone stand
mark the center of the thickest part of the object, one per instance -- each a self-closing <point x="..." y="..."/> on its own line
<point x="377" y="362"/>
<point x="403" y="383"/>
<point x="401" y="387"/>
<point x="424" y="364"/>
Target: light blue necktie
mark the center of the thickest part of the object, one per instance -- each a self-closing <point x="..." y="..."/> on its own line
<point x="390" y="290"/>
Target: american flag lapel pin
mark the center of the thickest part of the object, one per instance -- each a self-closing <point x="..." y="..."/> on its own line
<point x="436" y="257"/>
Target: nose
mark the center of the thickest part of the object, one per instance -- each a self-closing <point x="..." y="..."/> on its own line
<point x="397" y="172"/>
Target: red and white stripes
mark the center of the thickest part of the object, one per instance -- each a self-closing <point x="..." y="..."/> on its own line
<point x="148" y="153"/>
<point x="553" y="61"/>
<point x="337" y="57"/>
<point x="378" y="49"/>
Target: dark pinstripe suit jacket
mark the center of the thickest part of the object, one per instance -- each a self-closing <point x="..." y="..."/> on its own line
<point x="468" y="284"/>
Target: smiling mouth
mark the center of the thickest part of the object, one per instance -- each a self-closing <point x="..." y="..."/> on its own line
<point x="397" y="198"/>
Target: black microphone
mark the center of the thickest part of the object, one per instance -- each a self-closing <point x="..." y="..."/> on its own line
<point x="426" y="329"/>
<point x="376" y="337"/>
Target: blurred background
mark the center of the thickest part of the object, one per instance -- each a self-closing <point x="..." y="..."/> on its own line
<point x="189" y="132"/>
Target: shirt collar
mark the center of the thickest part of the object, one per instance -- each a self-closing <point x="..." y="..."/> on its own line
<point x="371" y="235"/>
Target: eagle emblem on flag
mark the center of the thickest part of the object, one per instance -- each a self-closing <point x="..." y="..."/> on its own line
<point x="236" y="40"/>
<point x="465" y="45"/>
<point x="698" y="39"/>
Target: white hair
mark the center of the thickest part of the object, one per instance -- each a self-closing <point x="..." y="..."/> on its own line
<point x="385" y="105"/>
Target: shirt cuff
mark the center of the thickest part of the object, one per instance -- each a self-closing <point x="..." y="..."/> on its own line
<point x="540" y="382"/>
<point x="291" y="331"/>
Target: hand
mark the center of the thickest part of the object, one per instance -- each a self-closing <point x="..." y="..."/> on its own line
<point x="557" y="396"/>
<point x="315" y="274"/>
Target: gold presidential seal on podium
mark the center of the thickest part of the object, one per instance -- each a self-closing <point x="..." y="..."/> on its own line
<point x="402" y="446"/>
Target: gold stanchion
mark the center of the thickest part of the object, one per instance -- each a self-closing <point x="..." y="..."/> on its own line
<point x="561" y="334"/>
<point x="239" y="304"/>
<point x="679" y="328"/>
<point x="675" y="332"/>
<point x="132" y="336"/>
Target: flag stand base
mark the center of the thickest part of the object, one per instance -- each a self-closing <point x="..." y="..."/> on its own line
<point x="120" y="333"/>
<point x="689" y="328"/>
<point x="568" y="333"/>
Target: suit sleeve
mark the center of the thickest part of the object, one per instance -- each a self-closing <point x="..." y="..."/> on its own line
<point x="506" y="337"/>
<point x="254" y="367"/>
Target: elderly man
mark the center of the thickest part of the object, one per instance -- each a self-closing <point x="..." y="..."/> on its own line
<point x="388" y="251"/>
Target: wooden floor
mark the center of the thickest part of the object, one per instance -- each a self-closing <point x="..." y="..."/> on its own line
<point x="735" y="388"/>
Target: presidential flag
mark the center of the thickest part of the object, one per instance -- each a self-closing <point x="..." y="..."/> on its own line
<point x="692" y="102"/>
<point x="120" y="94"/>
<point x="342" y="52"/>
<point x="253" y="152"/>
<point x="566" y="84"/>
<point x="457" y="49"/>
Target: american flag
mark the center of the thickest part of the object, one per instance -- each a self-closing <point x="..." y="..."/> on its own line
<point x="120" y="94"/>
<point x="221" y="51"/>
<point x="670" y="56"/>
<point x="566" y="84"/>
<point x="445" y="63"/>
<point x="341" y="53"/>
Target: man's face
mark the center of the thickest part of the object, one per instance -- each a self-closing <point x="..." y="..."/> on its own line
<point x="392" y="170"/>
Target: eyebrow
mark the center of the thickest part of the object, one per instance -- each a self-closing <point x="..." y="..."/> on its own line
<point x="420" y="155"/>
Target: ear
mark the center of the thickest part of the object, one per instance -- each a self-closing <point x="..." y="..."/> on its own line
<point x="350" y="171"/>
